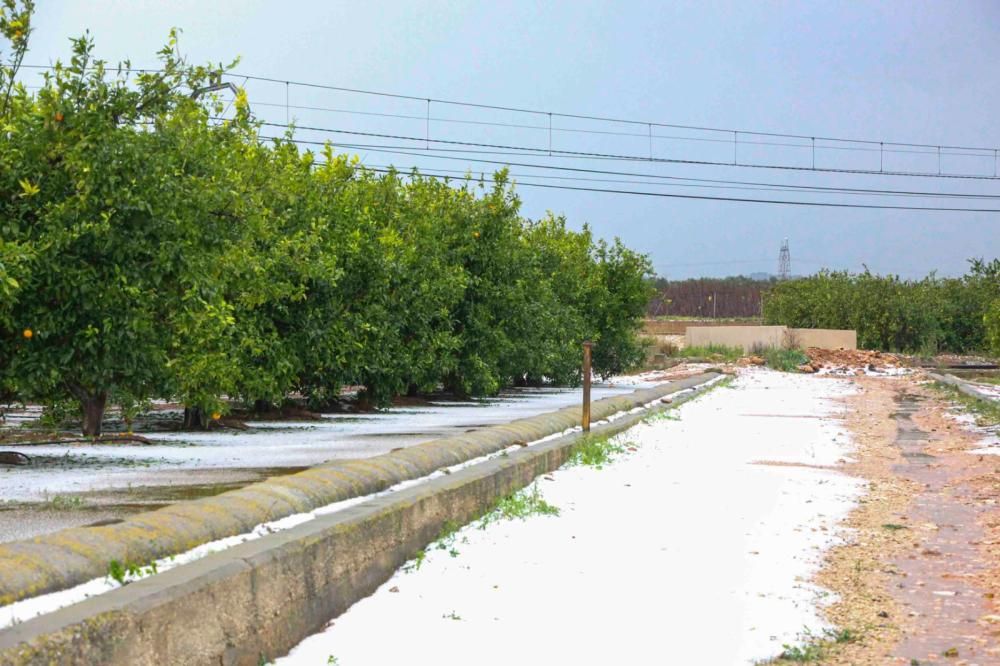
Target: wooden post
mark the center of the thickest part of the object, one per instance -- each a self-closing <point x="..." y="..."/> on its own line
<point x="586" y="386"/>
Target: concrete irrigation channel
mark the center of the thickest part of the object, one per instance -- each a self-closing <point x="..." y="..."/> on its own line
<point x="261" y="597"/>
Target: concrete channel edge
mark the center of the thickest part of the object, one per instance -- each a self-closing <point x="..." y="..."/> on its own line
<point x="258" y="599"/>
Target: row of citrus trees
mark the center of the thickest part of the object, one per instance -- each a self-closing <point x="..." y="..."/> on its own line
<point x="926" y="316"/>
<point x="148" y="252"/>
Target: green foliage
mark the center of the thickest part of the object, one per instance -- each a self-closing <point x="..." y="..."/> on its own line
<point x="987" y="412"/>
<point x="64" y="503"/>
<point x="785" y="360"/>
<point x="125" y="573"/>
<point x="815" y="647"/>
<point x="520" y="505"/>
<point x="710" y="352"/>
<point x="147" y="251"/>
<point x="925" y="316"/>
<point x="595" y="451"/>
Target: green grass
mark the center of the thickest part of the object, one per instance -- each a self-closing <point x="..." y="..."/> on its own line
<point x="663" y="415"/>
<point x="594" y="451"/>
<point x="448" y="538"/>
<point x="815" y="647"/>
<point x="785" y="360"/>
<point x="668" y="414"/>
<point x="64" y="503"/>
<point x="711" y="352"/>
<point x="987" y="413"/>
<point x="519" y="506"/>
<point x="125" y="572"/>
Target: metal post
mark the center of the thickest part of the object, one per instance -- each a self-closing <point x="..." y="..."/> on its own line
<point x="586" y="386"/>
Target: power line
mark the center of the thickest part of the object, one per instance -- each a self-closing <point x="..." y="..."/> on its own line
<point x="868" y="145"/>
<point x="527" y="150"/>
<point x="778" y="187"/>
<point x="575" y="130"/>
<point x="579" y="116"/>
<point x="824" y="204"/>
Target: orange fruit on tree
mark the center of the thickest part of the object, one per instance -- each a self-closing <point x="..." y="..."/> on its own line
<point x="59" y="116"/>
<point x="28" y="333"/>
<point x="216" y="416"/>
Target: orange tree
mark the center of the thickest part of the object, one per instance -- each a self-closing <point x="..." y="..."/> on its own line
<point x="149" y="251"/>
<point x="117" y="231"/>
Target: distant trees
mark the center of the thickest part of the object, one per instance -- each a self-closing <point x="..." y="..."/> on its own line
<point x="147" y="251"/>
<point x="924" y="316"/>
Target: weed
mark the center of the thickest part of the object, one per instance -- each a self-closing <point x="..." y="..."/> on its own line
<point x="987" y="413"/>
<point x="417" y="560"/>
<point x="452" y="616"/>
<point x="663" y="415"/>
<point x="125" y="573"/>
<point x="332" y="661"/>
<point x="814" y="647"/>
<point x="785" y="360"/>
<point x="522" y="505"/>
<point x="594" y="451"/>
<point x="711" y="352"/>
<point x="64" y="503"/>
<point x="892" y="527"/>
<point x="446" y="540"/>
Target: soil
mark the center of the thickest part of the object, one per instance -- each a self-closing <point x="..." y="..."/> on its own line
<point x="918" y="578"/>
<point x="853" y="358"/>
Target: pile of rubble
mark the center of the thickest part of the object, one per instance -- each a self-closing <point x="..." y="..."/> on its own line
<point x="851" y="362"/>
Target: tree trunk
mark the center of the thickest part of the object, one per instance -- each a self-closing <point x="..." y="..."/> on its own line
<point x="261" y="406"/>
<point x="194" y="419"/>
<point x="92" y="406"/>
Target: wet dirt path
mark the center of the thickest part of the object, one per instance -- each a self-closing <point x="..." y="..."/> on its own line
<point x="919" y="577"/>
<point x="939" y="575"/>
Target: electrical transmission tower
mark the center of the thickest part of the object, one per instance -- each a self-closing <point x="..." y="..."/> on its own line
<point x="784" y="262"/>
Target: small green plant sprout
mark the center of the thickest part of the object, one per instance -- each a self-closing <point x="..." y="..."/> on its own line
<point x="595" y="451"/>
<point x="127" y="572"/>
<point x="416" y="562"/>
<point x="987" y="413"/>
<point x="814" y="647"/>
<point x="663" y="415"/>
<point x="64" y="503"/>
<point x="452" y="616"/>
<point x="520" y="505"/>
<point x="715" y="353"/>
<point x="785" y="360"/>
<point x="332" y="661"/>
<point x="449" y="535"/>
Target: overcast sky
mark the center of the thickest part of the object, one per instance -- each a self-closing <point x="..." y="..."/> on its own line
<point x="899" y="71"/>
